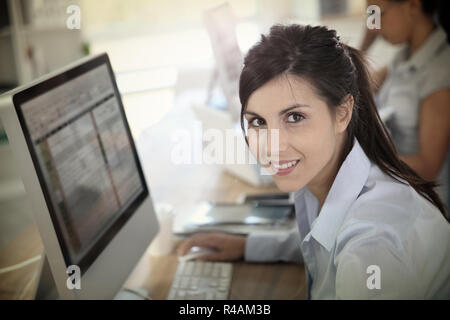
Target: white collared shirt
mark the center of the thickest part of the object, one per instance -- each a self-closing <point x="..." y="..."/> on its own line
<point x="368" y="219"/>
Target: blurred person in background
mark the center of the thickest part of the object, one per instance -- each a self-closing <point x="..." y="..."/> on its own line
<point x="416" y="84"/>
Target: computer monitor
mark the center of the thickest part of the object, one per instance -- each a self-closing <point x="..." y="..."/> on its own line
<point x="82" y="174"/>
<point x="220" y="23"/>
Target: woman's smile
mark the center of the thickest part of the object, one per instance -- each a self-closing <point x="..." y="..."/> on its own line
<point x="284" y="167"/>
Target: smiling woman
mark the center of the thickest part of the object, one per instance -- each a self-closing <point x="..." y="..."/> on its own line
<point x="358" y="206"/>
<point x="309" y="65"/>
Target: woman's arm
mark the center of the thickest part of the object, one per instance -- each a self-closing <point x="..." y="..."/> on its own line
<point x="434" y="135"/>
<point x="379" y="77"/>
<point x="227" y="247"/>
<point x="368" y="39"/>
<point x="256" y="247"/>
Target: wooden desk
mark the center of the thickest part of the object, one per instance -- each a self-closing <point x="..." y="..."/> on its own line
<point x="20" y="283"/>
<point x="179" y="185"/>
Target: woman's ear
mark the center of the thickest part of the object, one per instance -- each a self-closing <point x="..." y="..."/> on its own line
<point x="344" y="113"/>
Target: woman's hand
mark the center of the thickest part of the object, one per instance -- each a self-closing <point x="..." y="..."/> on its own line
<point x="228" y="247"/>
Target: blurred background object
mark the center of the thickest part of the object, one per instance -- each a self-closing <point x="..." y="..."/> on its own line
<point x="35" y="40"/>
<point x="164" y="41"/>
<point x="162" y="57"/>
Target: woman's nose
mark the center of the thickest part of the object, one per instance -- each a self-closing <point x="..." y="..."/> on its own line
<point x="269" y="144"/>
<point x="277" y="142"/>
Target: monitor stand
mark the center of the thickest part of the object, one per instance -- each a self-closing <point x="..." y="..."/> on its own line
<point x="46" y="288"/>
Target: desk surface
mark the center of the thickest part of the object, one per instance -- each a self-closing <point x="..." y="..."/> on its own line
<point x="165" y="179"/>
<point x="155" y="273"/>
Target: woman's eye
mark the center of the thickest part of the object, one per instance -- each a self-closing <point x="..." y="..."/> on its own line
<point x="256" y="122"/>
<point x="295" y="117"/>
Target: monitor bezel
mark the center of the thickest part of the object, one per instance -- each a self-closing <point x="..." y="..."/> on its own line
<point x="40" y="88"/>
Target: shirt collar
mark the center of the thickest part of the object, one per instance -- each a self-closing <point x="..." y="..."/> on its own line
<point x="346" y="188"/>
<point x="425" y="52"/>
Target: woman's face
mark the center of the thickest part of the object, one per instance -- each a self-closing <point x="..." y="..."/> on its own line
<point x="307" y="132"/>
<point x="397" y="20"/>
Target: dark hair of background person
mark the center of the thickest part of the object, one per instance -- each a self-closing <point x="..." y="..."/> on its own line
<point x="335" y="70"/>
<point x="440" y="8"/>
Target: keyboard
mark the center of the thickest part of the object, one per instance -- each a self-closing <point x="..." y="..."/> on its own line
<point x="200" y="280"/>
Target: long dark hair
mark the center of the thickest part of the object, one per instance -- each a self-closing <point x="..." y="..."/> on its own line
<point x="335" y="70"/>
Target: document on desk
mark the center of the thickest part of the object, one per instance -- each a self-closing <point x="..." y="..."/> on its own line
<point x="234" y="218"/>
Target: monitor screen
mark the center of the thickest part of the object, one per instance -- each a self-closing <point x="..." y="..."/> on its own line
<point x="84" y="155"/>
